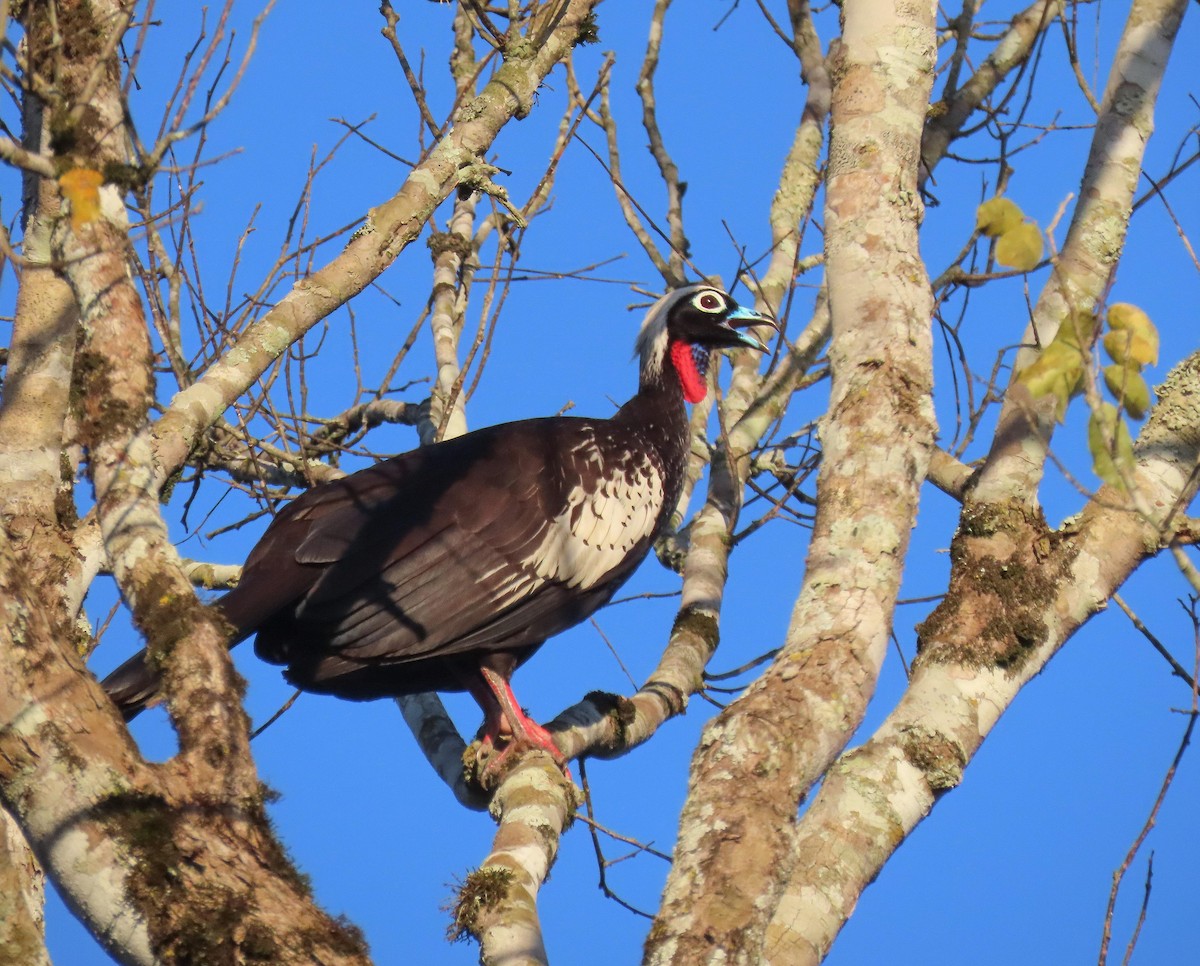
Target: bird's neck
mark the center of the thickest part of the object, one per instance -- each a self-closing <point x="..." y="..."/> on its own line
<point x="658" y="414"/>
<point x="680" y="372"/>
<point x="664" y="387"/>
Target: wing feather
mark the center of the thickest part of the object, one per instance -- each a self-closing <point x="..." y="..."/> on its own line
<point x="493" y="541"/>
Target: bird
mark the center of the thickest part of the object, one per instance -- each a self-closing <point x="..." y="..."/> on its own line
<point x="447" y="567"/>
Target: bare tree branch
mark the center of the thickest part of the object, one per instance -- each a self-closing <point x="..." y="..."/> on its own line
<point x="880" y="353"/>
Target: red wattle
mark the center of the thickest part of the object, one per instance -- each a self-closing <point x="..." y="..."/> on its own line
<point x="694" y="386"/>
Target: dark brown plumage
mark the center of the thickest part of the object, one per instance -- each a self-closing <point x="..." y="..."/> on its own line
<point x="445" y="568"/>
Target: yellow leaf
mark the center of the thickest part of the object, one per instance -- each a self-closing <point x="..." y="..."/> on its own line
<point x="81" y="188"/>
<point x="998" y="215"/>
<point x="1131" y="349"/>
<point x="1125" y="315"/>
<point x="1142" y="343"/>
<point x="1129" y="387"/>
<point x="1020" y="247"/>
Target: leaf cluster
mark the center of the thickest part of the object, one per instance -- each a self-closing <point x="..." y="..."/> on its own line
<point x="1131" y="342"/>
<point x="1018" y="239"/>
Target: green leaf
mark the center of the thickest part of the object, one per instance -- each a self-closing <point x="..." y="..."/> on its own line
<point x="1058" y="371"/>
<point x="1110" y="461"/>
<point x="1077" y="329"/>
<point x="998" y="215"/>
<point x="1020" y="247"/>
<point x="1129" y="387"/>
<point x="1116" y="345"/>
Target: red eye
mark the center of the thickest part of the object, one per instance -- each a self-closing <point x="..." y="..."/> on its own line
<point x="709" y="302"/>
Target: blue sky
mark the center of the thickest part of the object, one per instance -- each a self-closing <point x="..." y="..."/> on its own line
<point x="1014" y="865"/>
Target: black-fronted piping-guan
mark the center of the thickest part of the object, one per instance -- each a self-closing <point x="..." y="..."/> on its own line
<point x="445" y="568"/>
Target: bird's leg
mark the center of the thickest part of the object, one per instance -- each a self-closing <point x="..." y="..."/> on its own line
<point x="494" y="722"/>
<point x="503" y="718"/>
<point x="522" y="728"/>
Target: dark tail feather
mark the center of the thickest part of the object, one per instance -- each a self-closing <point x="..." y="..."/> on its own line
<point x="134" y="686"/>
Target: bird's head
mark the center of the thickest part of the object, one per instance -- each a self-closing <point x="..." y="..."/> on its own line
<point x="685" y="324"/>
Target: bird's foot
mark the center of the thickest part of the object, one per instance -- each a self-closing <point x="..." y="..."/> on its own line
<point x="495" y="756"/>
<point x="507" y="730"/>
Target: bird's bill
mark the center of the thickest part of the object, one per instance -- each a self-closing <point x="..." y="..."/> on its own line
<point x="741" y="318"/>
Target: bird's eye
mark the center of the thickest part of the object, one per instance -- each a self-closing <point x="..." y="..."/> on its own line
<point x="709" y="302"/>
